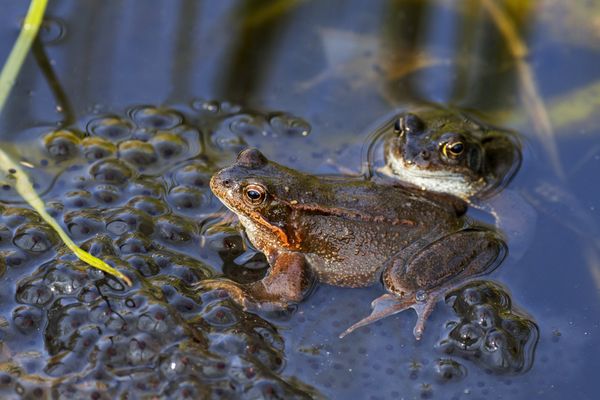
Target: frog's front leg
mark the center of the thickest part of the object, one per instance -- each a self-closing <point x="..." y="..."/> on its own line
<point x="287" y="281"/>
<point x="419" y="282"/>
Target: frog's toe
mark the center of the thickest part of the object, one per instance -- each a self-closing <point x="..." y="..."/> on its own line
<point x="233" y="289"/>
<point x="251" y="297"/>
<point x="389" y="304"/>
<point x="383" y="306"/>
<point x="423" y="311"/>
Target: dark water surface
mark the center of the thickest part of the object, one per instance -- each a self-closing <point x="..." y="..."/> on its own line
<point x="306" y="82"/>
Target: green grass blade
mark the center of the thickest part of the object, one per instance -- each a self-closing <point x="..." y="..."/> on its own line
<point x="29" y="30"/>
<point x="26" y="190"/>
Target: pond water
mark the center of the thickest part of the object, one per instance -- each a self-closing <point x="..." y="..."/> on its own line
<point x="125" y="109"/>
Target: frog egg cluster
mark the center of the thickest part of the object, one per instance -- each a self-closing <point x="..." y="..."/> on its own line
<point x="133" y="190"/>
<point x="150" y="138"/>
<point x="490" y="332"/>
<point x="234" y="128"/>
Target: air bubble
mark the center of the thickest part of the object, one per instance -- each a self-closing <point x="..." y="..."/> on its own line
<point x="52" y="30"/>
<point x="421" y="296"/>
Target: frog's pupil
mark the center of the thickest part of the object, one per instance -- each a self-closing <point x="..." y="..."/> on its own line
<point x="457" y="148"/>
<point x="253" y="194"/>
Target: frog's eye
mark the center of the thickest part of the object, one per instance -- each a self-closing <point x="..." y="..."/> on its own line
<point x="453" y="149"/>
<point x="254" y="194"/>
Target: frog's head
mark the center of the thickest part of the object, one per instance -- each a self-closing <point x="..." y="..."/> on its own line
<point x="260" y="193"/>
<point x="446" y="152"/>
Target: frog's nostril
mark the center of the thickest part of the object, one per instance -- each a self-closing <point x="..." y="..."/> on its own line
<point x="226" y="183"/>
<point x="425" y="155"/>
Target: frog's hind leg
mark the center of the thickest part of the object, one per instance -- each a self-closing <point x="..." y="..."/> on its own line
<point x="390" y="304"/>
<point x="419" y="282"/>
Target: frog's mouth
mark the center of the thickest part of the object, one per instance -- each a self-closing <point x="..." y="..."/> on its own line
<point x="440" y="181"/>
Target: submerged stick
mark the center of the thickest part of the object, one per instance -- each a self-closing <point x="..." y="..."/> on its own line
<point x="534" y="105"/>
<point x="29" y="30"/>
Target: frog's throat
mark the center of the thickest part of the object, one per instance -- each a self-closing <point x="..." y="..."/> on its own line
<point x="440" y="181"/>
<point x="254" y="220"/>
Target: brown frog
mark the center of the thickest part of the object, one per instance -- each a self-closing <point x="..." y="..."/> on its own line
<point x="353" y="233"/>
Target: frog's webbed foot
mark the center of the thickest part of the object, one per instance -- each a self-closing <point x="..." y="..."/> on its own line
<point x="390" y="304"/>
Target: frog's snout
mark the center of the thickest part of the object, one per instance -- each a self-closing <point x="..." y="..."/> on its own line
<point x="220" y="182"/>
<point x="419" y="158"/>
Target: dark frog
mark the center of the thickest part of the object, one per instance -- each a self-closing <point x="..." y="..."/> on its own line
<point x="350" y="232"/>
<point x="445" y="151"/>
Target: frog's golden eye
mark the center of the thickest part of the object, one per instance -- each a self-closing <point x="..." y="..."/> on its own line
<point x="254" y="194"/>
<point x="453" y="149"/>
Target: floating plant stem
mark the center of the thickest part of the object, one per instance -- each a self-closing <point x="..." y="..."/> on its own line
<point x="23" y="185"/>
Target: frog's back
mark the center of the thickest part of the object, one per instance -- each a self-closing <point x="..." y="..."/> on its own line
<point x="351" y="242"/>
<point x="352" y="254"/>
<point x="368" y="201"/>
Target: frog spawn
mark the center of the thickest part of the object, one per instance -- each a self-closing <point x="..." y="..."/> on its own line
<point x="233" y="128"/>
<point x="490" y="332"/>
<point x="134" y="191"/>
